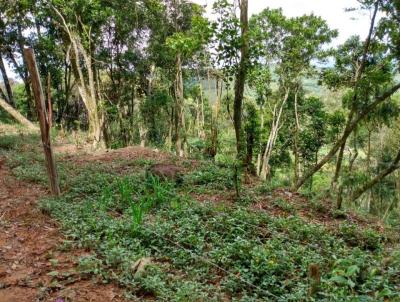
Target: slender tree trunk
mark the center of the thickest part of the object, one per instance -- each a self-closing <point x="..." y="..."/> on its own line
<point x="49" y="102"/>
<point x="339" y="161"/>
<point x="24" y="76"/>
<point x="213" y="149"/>
<point x="178" y="106"/>
<point x="276" y="121"/>
<point x="351" y="125"/>
<point x="63" y="103"/>
<point x="86" y="84"/>
<point x="10" y="97"/>
<point x="200" y="110"/>
<point x="169" y="137"/>
<point x="240" y="79"/>
<point x="259" y="155"/>
<point x="393" y="167"/>
<point x="296" y="140"/>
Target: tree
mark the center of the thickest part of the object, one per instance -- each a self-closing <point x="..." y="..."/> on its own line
<point x="386" y="41"/>
<point x="15" y="19"/>
<point x="79" y="40"/>
<point x="241" y="78"/>
<point x="291" y="44"/>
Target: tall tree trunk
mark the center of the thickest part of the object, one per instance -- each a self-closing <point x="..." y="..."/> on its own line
<point x="200" y="110"/>
<point x="296" y="140"/>
<point x="86" y="85"/>
<point x="87" y="93"/>
<point x="10" y="97"/>
<point x="49" y="102"/>
<point x="356" y="80"/>
<point x="276" y="125"/>
<point x="24" y="76"/>
<point x="63" y="102"/>
<point x="339" y="161"/>
<point x="213" y="149"/>
<point x="179" y="101"/>
<point x="259" y="155"/>
<point x="241" y="78"/>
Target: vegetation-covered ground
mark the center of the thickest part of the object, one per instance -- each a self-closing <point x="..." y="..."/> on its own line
<point x="192" y="241"/>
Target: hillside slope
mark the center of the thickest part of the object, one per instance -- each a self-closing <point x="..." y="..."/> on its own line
<point x="190" y="241"/>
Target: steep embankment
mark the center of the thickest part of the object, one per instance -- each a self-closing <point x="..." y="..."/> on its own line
<point x="157" y="241"/>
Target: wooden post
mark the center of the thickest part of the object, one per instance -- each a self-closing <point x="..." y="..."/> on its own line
<point x="314" y="276"/>
<point x="43" y="120"/>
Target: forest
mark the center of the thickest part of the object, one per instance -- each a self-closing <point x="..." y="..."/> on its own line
<point x="164" y="150"/>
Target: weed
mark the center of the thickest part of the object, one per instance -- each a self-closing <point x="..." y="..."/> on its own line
<point x="210" y="176"/>
<point x="284" y="205"/>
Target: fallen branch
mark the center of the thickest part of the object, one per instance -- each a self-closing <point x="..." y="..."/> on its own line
<point x="17" y="116"/>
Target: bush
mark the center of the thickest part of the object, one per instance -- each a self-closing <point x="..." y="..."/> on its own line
<point x="367" y="239"/>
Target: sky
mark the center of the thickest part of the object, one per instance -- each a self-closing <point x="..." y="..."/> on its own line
<point x="333" y="11"/>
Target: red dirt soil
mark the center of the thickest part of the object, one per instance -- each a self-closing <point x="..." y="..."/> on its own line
<point x="30" y="252"/>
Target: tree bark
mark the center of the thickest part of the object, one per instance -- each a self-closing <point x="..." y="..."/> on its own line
<point x="49" y="103"/>
<point x="43" y="120"/>
<point x="200" y="111"/>
<point x="178" y="107"/>
<point x="296" y="140"/>
<point x="241" y="78"/>
<point x="10" y="97"/>
<point x="276" y="121"/>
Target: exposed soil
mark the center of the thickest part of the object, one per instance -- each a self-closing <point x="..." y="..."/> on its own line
<point x="32" y="265"/>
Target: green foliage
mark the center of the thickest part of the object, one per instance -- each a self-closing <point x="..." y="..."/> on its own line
<point x="210" y="176"/>
<point x="365" y="239"/>
<point x="252" y="255"/>
<point x="271" y="253"/>
<point x="208" y="252"/>
<point x="8" y="142"/>
<point x="284" y="205"/>
<point x="312" y="138"/>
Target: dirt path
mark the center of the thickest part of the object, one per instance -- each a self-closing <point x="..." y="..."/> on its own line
<point x="33" y="266"/>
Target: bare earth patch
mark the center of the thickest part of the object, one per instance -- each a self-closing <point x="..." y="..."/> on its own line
<point x="32" y="266"/>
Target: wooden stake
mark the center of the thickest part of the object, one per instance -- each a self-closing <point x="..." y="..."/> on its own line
<point x="314" y="276"/>
<point x="43" y="120"/>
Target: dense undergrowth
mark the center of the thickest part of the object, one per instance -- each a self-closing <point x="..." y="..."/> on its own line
<point x="204" y="251"/>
